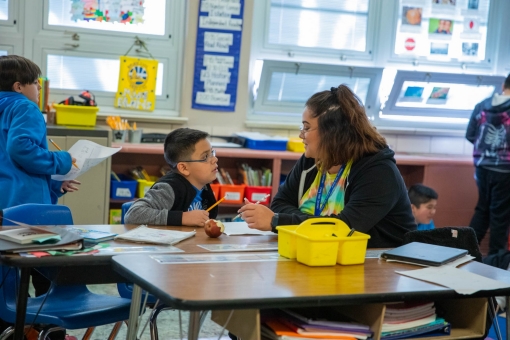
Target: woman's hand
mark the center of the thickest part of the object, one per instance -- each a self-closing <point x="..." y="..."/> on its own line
<point x="257" y="216"/>
<point x="68" y="186"/>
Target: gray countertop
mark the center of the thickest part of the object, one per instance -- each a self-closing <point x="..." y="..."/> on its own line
<point x="60" y="130"/>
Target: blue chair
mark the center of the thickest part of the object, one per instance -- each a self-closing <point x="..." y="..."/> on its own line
<point x="67" y="307"/>
<point x="125" y="208"/>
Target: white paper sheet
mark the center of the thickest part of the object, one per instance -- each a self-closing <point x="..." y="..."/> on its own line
<point x="88" y="154"/>
<point x="241" y="228"/>
<point x="462" y="281"/>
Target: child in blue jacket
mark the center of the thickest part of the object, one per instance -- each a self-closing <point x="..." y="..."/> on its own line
<point x="26" y="164"/>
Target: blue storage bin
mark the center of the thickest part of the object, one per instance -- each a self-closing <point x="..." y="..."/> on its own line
<point x="123" y="190"/>
<point x="277" y="145"/>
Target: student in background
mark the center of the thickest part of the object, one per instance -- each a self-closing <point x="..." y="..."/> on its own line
<point x="183" y="194"/>
<point x="489" y="131"/>
<point x="423" y="204"/>
<point x="347" y="172"/>
<point x="26" y="163"/>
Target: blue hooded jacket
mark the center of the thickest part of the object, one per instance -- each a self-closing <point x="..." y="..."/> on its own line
<point x="26" y="164"/>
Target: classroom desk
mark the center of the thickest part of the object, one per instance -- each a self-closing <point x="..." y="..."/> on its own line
<point x="69" y="270"/>
<point x="261" y="285"/>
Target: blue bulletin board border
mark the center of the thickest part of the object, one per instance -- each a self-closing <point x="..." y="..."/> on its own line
<point x="234" y="51"/>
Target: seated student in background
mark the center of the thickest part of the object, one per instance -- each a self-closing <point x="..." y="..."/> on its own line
<point x="423" y="203"/>
<point x="182" y="196"/>
<point x="347" y="172"/>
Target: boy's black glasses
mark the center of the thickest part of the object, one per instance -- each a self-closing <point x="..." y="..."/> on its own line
<point x="206" y="159"/>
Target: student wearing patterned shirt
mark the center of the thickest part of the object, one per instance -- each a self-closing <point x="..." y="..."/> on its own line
<point x="347" y="172"/>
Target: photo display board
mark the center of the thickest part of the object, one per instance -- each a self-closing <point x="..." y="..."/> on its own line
<point x="442" y="30"/>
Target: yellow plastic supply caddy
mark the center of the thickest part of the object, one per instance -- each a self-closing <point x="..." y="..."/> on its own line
<point x="75" y="115"/>
<point x="322" y="242"/>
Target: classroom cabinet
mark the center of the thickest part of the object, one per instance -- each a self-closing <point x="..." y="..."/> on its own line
<point x="90" y="204"/>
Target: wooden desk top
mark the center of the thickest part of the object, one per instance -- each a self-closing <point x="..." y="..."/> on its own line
<point x="190" y="246"/>
<point x="244" y="285"/>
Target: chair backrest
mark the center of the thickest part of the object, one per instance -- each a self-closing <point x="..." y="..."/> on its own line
<point x="38" y="214"/>
<point x="454" y="237"/>
<point x="125" y="208"/>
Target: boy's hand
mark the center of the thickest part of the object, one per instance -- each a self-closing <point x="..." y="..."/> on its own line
<point x="195" y="218"/>
<point x="67" y="186"/>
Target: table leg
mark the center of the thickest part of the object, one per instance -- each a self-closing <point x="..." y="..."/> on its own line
<point x="134" y="312"/>
<point x="21" y="304"/>
<point x="507" y="298"/>
<point x="194" y="324"/>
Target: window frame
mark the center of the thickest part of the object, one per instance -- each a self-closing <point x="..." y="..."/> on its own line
<point x="291" y="50"/>
<point x="43" y="39"/>
<point x="442" y="119"/>
<point x="264" y="110"/>
<point x="490" y="45"/>
<point x="12" y="9"/>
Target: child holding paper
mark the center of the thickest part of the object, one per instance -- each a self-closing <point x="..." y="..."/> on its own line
<point x="183" y="195"/>
<point x="27" y="164"/>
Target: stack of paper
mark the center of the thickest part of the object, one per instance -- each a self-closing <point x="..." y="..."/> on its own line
<point x="289" y="325"/>
<point x="143" y="234"/>
<point x="405" y="319"/>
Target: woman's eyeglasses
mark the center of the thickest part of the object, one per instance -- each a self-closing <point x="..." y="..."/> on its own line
<point x="304" y="129"/>
<point x="206" y="159"/>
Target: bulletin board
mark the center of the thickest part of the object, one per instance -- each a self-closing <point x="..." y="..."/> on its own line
<point x="442" y="30"/>
<point x="218" y="49"/>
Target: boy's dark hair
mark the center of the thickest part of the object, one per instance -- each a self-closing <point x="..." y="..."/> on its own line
<point x="14" y="68"/>
<point x="506" y="85"/>
<point x="180" y="144"/>
<point x="419" y="194"/>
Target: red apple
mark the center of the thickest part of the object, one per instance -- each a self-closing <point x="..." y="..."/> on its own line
<point x="214" y="228"/>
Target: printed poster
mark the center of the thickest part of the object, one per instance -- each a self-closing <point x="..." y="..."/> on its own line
<point x="137" y="84"/>
<point x="218" y="49"/>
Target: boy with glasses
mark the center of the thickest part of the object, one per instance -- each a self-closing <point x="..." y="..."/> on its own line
<point x="182" y="196"/>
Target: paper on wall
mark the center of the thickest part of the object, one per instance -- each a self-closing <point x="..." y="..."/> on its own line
<point x="88" y="154"/>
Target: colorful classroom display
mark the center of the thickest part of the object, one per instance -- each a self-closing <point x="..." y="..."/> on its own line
<point x="218" y="48"/>
<point x="137" y="84"/>
<point x="123" y="11"/>
<point x="442" y="29"/>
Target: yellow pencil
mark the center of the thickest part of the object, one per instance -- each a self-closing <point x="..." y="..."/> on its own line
<point x="217" y="202"/>
<point x="59" y="149"/>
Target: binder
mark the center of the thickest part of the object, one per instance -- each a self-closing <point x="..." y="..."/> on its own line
<point x="68" y="237"/>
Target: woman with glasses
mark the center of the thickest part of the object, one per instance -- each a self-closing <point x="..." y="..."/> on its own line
<point x="347" y="172"/>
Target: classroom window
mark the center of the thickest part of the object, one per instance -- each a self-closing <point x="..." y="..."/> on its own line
<point x="63" y="13"/>
<point x="443" y="31"/>
<point x="319" y="24"/>
<point x="436" y="99"/>
<point x="4" y="9"/>
<point x="96" y="74"/>
<point x="285" y="87"/>
<point x="2" y="52"/>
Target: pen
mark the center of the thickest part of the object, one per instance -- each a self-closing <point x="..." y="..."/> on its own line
<point x="217" y="202"/>
<point x="351" y="232"/>
<point x="263" y="199"/>
<point x="59" y="149"/>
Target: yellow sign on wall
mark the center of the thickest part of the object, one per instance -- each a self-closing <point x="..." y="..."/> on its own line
<point x="137" y="84"/>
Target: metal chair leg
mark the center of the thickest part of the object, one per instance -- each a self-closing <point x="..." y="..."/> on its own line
<point x="153" y="320"/>
<point x="44" y="333"/>
<point x="7" y="333"/>
<point x="115" y="330"/>
<point x="88" y="333"/>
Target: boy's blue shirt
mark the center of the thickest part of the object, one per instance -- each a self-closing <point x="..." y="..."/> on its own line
<point x="426" y="226"/>
<point x="26" y="164"/>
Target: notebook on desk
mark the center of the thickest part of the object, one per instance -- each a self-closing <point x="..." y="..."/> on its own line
<point x="424" y="254"/>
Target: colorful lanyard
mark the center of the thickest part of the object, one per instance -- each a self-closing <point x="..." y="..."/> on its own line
<point x="318" y="207"/>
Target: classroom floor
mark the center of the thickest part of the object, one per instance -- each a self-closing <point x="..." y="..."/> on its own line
<point x="168" y="323"/>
